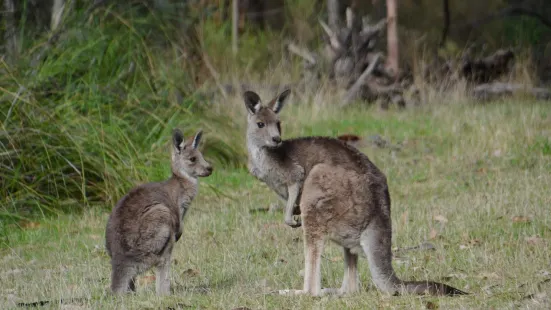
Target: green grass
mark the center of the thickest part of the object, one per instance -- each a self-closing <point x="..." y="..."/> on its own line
<point x="477" y="166"/>
<point x="82" y="125"/>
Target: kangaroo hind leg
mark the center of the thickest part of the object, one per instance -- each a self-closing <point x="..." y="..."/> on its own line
<point x="162" y="277"/>
<point x="313" y="248"/>
<point x="351" y="280"/>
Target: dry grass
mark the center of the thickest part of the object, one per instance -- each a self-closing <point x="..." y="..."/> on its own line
<point x="472" y="180"/>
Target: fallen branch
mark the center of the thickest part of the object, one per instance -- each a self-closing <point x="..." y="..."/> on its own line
<point x="353" y="91"/>
<point x="335" y="43"/>
<point x="309" y="57"/>
<point x="488" y="68"/>
<point x="497" y="90"/>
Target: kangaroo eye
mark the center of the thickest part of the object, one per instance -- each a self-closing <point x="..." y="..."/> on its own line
<point x="260" y="124"/>
<point x="193" y="159"/>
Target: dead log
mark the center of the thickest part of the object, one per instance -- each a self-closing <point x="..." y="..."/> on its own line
<point x="489" y="68"/>
<point x="353" y="91"/>
<point x="305" y="54"/>
<point x="492" y="91"/>
<point x="350" y="58"/>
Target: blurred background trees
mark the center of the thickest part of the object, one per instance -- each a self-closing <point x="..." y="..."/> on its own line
<point x="90" y="89"/>
<point x="445" y="26"/>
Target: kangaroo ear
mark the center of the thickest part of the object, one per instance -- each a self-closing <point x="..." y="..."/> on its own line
<point x="252" y="101"/>
<point x="278" y="102"/>
<point x="197" y="139"/>
<point x="177" y="140"/>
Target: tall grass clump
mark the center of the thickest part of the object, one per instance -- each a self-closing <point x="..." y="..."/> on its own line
<point x="93" y="116"/>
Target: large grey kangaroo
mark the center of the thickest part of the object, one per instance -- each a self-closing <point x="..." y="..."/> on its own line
<point x="342" y="195"/>
<point x="146" y="223"/>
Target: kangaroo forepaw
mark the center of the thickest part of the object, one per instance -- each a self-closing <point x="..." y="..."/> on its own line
<point x="294" y="222"/>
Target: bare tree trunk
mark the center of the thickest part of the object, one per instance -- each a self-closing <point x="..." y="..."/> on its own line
<point x="57" y="13"/>
<point x="10" y="35"/>
<point x="333" y="14"/>
<point x="392" y="37"/>
<point x="235" y="25"/>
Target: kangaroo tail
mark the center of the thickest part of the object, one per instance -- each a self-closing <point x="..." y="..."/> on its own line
<point x="376" y="243"/>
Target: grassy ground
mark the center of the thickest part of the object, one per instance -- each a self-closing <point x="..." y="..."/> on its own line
<point x="473" y="180"/>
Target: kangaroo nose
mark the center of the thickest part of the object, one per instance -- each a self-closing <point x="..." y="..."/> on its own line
<point x="209" y="169"/>
<point x="276" y="139"/>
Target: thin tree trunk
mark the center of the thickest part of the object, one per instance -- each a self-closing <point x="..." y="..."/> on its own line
<point x="57" y="13"/>
<point x="10" y="35"/>
<point x="235" y="25"/>
<point x="392" y="37"/>
<point x="333" y="14"/>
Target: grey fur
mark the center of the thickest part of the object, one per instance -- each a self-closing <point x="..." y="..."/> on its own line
<point x="146" y="223"/>
<point x="343" y="196"/>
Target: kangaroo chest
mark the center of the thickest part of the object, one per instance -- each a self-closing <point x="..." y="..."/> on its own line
<point x="185" y="199"/>
<point x="266" y="169"/>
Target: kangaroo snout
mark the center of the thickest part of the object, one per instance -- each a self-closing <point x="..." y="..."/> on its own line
<point x="276" y="139"/>
<point x="208" y="171"/>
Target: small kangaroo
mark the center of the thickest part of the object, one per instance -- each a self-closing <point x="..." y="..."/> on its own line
<point x="146" y="223"/>
<point x="342" y="194"/>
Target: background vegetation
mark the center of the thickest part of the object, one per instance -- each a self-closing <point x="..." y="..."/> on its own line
<point x="87" y="107"/>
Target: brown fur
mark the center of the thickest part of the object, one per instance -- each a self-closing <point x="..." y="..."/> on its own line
<point x="146" y="223"/>
<point x="342" y="196"/>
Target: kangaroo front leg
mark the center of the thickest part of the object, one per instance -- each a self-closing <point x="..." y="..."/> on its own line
<point x="293" y="192"/>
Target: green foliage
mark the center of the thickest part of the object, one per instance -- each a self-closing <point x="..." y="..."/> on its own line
<point x="523" y="31"/>
<point x="94" y="117"/>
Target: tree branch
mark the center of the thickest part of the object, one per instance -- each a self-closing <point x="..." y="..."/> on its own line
<point x="305" y="54"/>
<point x="351" y="93"/>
